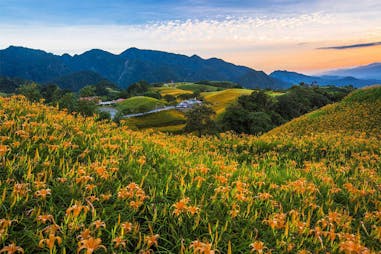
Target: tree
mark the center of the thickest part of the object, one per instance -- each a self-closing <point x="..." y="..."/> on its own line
<point x="199" y="120"/>
<point x="186" y="96"/>
<point x="103" y="87"/>
<point x="260" y="122"/>
<point x="300" y="100"/>
<point x="68" y="101"/>
<point x="87" y="91"/>
<point x="196" y="93"/>
<point x="241" y="120"/>
<point x="30" y="91"/>
<point x="138" y="88"/>
<point x="51" y="93"/>
<point x="252" y="114"/>
<point x="86" y="108"/>
<point x="256" y="101"/>
<point x="169" y="98"/>
<point x="235" y="118"/>
<point x="9" y="85"/>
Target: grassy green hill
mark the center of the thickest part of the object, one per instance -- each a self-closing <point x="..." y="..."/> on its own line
<point x="139" y="104"/>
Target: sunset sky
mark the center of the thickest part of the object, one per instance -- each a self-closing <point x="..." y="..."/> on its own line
<point x="305" y="36"/>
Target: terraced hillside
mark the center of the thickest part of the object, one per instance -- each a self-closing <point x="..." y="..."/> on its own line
<point x="71" y="184"/>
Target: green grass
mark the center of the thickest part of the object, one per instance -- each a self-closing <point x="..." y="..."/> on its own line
<point x="112" y="91"/>
<point x="196" y="87"/>
<point x="186" y="86"/>
<point x="316" y="114"/>
<point x="159" y="119"/>
<point x="274" y="93"/>
<point x="171" y="91"/>
<point x="139" y="104"/>
<point x="366" y="94"/>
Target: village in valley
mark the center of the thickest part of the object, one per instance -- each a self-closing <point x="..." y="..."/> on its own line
<point x="107" y="106"/>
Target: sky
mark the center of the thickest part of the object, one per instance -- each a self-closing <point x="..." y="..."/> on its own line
<point x="305" y="36"/>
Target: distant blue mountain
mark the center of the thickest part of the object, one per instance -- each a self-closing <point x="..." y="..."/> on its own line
<point x="124" y="69"/>
<point x="294" y="78"/>
<point x="371" y="71"/>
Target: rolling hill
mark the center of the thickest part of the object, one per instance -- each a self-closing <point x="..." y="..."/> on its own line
<point x="357" y="114"/>
<point x="139" y="104"/>
<point x="219" y="100"/>
<point x="124" y="69"/>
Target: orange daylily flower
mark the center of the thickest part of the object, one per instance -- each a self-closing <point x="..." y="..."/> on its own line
<point x="90" y="245"/>
<point x="12" y="248"/>
<point x="257" y="246"/>
<point x="43" y="193"/>
<point x="98" y="224"/>
<point x="44" y="218"/>
<point x="119" y="242"/>
<point x="151" y="240"/>
<point x="49" y="242"/>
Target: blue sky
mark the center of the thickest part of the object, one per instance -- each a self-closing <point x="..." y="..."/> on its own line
<point x="133" y="11"/>
<point x="268" y="35"/>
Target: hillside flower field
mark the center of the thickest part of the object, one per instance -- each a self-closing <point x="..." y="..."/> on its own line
<point x="69" y="184"/>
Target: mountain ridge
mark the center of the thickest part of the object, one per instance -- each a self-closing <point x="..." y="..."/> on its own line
<point x="370" y="71"/>
<point x="128" y="67"/>
<point x="294" y="78"/>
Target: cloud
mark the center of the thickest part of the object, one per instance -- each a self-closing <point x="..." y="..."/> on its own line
<point x="360" y="45"/>
<point x="186" y="36"/>
<point x="255" y="38"/>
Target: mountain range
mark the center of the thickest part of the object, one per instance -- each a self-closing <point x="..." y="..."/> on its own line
<point x="371" y="71"/>
<point x="132" y="65"/>
<point x="291" y="78"/>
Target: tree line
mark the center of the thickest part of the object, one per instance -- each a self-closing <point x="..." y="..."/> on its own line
<point x="259" y="112"/>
